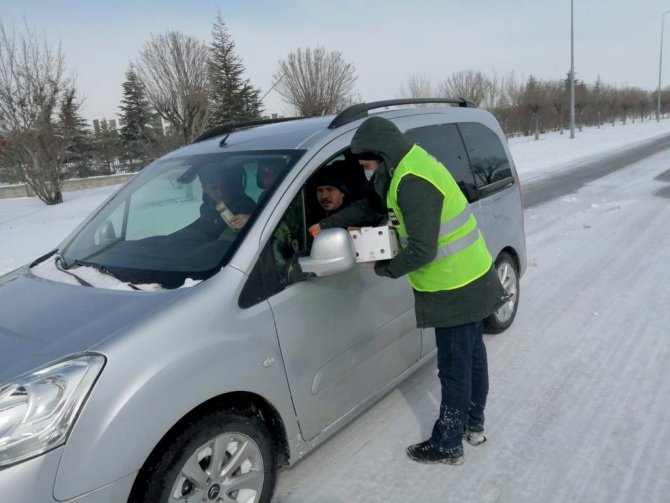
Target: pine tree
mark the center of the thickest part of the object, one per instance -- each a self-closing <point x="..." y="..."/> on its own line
<point x="72" y="128"/>
<point x="136" y="133"/>
<point x="136" y="111"/>
<point x="233" y="99"/>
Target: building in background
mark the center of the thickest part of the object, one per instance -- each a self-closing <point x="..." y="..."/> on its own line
<point x="157" y="124"/>
<point x="106" y="125"/>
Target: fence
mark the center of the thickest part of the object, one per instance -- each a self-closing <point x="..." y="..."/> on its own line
<point x="22" y="190"/>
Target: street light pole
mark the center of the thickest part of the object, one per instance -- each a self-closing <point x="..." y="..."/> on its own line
<point x="572" y="69"/>
<point x="660" y="66"/>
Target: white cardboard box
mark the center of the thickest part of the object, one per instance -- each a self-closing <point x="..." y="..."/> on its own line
<point x="375" y="243"/>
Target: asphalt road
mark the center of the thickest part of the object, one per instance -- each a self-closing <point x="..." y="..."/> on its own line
<point x="566" y="182"/>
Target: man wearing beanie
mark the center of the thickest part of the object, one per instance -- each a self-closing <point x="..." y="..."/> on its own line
<point x="339" y="207"/>
<point x="449" y="268"/>
<point x="331" y="191"/>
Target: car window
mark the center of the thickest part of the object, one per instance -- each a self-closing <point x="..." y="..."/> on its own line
<point x="277" y="265"/>
<point x="445" y="144"/>
<point x="488" y="159"/>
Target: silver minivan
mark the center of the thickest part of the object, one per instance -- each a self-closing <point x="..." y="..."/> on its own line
<point x="165" y="354"/>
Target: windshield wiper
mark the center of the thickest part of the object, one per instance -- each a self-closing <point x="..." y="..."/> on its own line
<point x="62" y="266"/>
<point x="102" y="269"/>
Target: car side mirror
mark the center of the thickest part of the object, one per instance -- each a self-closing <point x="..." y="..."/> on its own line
<point x="332" y="252"/>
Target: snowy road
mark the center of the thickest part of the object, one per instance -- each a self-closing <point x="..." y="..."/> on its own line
<point x="579" y="408"/>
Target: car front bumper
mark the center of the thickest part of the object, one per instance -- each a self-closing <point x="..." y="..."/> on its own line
<point x="33" y="481"/>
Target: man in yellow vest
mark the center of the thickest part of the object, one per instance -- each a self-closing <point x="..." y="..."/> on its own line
<point x="449" y="268"/>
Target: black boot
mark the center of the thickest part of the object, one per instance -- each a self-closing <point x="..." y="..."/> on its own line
<point x="425" y="452"/>
<point x="474" y="437"/>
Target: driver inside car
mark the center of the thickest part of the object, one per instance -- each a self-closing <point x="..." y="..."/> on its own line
<point x="222" y="195"/>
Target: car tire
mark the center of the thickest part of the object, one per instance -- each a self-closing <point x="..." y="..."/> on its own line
<point x="181" y="467"/>
<point x="508" y="273"/>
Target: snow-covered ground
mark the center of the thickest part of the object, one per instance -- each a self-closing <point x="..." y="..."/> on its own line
<point x="579" y="406"/>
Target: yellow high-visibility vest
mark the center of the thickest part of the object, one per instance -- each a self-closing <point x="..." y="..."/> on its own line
<point x="462" y="256"/>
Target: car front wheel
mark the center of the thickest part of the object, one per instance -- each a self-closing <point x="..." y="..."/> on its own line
<point x="222" y="457"/>
<point x="508" y="273"/>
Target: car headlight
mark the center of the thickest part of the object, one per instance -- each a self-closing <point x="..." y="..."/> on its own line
<point x="38" y="409"/>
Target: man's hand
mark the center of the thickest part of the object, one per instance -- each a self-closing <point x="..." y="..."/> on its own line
<point x="314" y="230"/>
<point x="380" y="268"/>
<point x="239" y="221"/>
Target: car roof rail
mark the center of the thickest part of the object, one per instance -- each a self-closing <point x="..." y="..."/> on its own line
<point x="360" y="110"/>
<point x="234" y="126"/>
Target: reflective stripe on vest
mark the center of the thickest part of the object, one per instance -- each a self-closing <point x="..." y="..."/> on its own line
<point x="450" y="225"/>
<point x="462" y="255"/>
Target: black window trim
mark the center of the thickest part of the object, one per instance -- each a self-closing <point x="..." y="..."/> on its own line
<point x="476" y="191"/>
<point x="487" y="190"/>
<point x="490" y="189"/>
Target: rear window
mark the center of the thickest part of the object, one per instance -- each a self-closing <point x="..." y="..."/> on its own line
<point x="445" y="144"/>
<point x="488" y="159"/>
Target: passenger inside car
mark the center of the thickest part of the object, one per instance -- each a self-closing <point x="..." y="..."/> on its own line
<point x="332" y="192"/>
<point x="335" y="186"/>
<point x="268" y="172"/>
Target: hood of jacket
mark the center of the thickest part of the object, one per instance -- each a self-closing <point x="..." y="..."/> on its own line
<point x="381" y="137"/>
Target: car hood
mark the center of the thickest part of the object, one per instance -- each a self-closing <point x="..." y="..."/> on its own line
<point x="42" y="320"/>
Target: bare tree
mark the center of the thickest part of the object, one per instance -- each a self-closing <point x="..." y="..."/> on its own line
<point x="417" y="86"/>
<point x="629" y="98"/>
<point x="582" y="100"/>
<point x="510" y="114"/>
<point x="33" y="81"/>
<point x="173" y="68"/>
<point x="468" y="84"/>
<point x="598" y="94"/>
<point x="558" y="97"/>
<point x="665" y="100"/>
<point x="513" y="90"/>
<point x="644" y="102"/>
<point x="534" y="101"/>
<point x="613" y="102"/>
<point x="316" y="82"/>
<point x="494" y="94"/>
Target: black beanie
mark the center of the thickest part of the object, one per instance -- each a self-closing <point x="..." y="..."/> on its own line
<point x="369" y="156"/>
<point x="331" y="178"/>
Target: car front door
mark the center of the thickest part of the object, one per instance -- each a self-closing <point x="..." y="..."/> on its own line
<point x="343" y="337"/>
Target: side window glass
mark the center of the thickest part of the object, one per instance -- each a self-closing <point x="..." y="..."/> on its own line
<point x="277" y="266"/>
<point x="332" y="187"/>
<point x="445" y="144"/>
<point x="487" y="155"/>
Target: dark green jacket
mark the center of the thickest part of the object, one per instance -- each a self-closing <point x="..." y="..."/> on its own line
<point x="421" y="205"/>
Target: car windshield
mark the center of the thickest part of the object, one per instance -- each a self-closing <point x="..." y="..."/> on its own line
<point x="179" y="218"/>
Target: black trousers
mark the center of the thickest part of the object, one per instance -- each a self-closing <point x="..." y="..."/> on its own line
<point x="464" y="376"/>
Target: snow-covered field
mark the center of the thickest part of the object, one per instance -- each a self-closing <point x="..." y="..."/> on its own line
<point x="579" y="406"/>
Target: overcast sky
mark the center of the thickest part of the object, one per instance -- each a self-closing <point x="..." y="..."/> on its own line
<point x="388" y="41"/>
